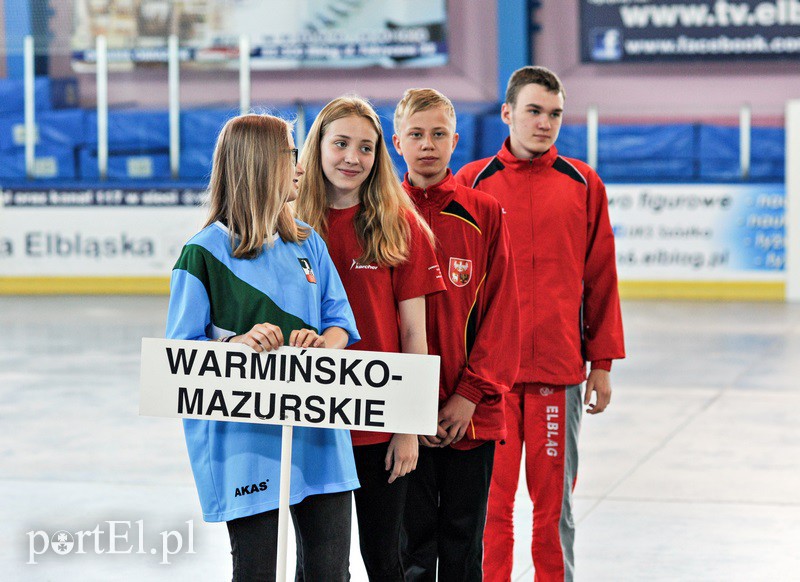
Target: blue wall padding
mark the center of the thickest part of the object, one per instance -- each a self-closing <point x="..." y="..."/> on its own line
<point x="139" y="141"/>
<point x="122" y="166"/>
<point x="718" y="142"/>
<point x="493" y="133"/>
<point x="719" y="168"/>
<point x="727" y="169"/>
<point x="719" y="153"/>
<point x="12" y="95"/>
<point x="467" y="129"/>
<point x="51" y="162"/>
<point x="768" y="143"/>
<point x="639" y="142"/>
<point x="55" y="128"/>
<point x="722" y="142"/>
<point x="200" y="127"/>
<point x="571" y="141"/>
<point x="131" y="131"/>
<point x="671" y="169"/>
<point x="196" y="162"/>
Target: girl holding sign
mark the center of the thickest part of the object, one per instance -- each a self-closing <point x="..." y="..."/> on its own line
<point x="384" y="253"/>
<point x="255" y="275"/>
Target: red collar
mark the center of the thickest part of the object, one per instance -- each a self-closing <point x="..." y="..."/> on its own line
<point x="509" y="160"/>
<point x="439" y="194"/>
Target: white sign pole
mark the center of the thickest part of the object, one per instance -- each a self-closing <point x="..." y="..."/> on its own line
<point x="283" y="506"/>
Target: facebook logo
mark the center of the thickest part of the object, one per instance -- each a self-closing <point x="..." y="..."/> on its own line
<point x="606" y="44"/>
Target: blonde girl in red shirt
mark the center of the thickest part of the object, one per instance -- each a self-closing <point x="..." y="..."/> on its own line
<point x="384" y="253"/>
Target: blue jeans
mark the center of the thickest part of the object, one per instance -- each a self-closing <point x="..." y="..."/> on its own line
<point x="322" y="528"/>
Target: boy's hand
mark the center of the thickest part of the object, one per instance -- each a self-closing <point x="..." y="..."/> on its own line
<point x="454" y="419"/>
<point x="430" y="440"/>
<point x="402" y="455"/>
<point x="599" y="382"/>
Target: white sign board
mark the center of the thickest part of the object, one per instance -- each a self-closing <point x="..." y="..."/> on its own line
<point x="699" y="232"/>
<point x="283" y="35"/>
<point x="377" y="391"/>
<point x="96" y="232"/>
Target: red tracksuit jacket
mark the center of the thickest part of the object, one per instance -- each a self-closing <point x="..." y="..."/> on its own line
<point x="474" y="325"/>
<point x="557" y="213"/>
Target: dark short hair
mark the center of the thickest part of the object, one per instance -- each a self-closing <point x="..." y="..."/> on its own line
<point x="533" y="75"/>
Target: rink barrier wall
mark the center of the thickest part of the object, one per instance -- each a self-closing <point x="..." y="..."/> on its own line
<point x="703" y="290"/>
<point x="682" y="241"/>
<point x="84" y="285"/>
<point x="631" y="290"/>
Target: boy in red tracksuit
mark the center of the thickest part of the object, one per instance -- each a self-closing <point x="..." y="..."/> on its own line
<point x="474" y="327"/>
<point x="557" y="214"/>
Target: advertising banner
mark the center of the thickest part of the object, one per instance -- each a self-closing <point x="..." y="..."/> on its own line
<point x="283" y="35"/>
<point x="96" y="231"/>
<point x="699" y="232"/>
<point x="627" y="31"/>
<point x="128" y="239"/>
<point x="373" y="391"/>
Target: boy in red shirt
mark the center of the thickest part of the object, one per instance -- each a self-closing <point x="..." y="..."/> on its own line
<point x="557" y="213"/>
<point x="473" y="326"/>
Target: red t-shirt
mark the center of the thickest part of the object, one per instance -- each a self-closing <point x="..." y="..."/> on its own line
<point x="374" y="292"/>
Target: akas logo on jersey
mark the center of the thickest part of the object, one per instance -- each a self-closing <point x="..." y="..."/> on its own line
<point x="306" y="264"/>
<point x="460" y="271"/>
<point x="251" y="488"/>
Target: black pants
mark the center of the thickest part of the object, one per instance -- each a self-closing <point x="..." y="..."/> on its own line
<point x="379" y="509"/>
<point x="446" y="513"/>
<point x="322" y="527"/>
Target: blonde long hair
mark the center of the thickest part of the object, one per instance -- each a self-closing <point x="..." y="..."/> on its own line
<point x="381" y="224"/>
<point x="251" y="178"/>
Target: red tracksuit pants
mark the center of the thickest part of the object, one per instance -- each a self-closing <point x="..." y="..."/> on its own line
<point x="546" y="419"/>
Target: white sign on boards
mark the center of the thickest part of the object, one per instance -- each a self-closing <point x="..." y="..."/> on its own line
<point x="316" y="387"/>
<point x="699" y="232"/>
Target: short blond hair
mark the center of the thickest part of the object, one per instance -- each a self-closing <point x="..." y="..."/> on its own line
<point x="416" y="100"/>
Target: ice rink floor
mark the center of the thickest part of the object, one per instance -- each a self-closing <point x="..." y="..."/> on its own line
<point x="693" y="473"/>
